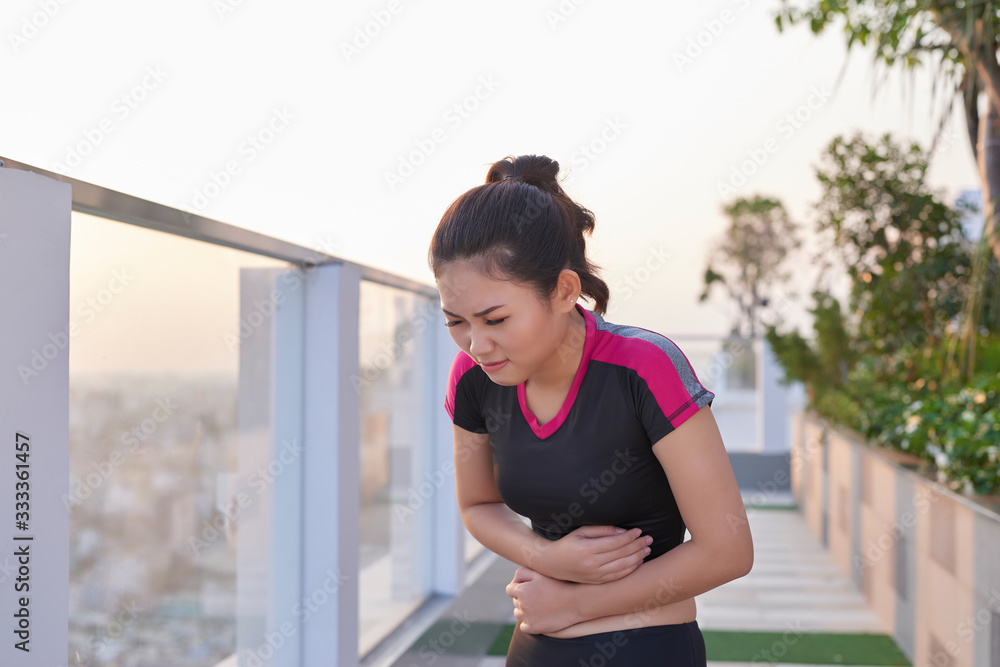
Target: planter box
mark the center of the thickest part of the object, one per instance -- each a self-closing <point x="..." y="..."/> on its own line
<point x="926" y="558"/>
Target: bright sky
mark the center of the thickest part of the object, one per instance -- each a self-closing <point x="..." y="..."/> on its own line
<point x="299" y="117"/>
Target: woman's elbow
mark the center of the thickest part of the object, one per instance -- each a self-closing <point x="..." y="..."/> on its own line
<point x="733" y="558"/>
<point x="741" y="560"/>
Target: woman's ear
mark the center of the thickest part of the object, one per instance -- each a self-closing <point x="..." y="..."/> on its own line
<point x="568" y="288"/>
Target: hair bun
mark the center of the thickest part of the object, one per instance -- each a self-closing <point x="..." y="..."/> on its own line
<point x="489" y="225"/>
<point x="537" y="170"/>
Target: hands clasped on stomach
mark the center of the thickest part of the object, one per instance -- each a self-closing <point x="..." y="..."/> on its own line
<point x="589" y="556"/>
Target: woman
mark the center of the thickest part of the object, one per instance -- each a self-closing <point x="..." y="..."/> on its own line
<point x="599" y="433"/>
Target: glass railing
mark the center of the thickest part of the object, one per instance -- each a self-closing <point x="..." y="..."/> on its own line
<point x="155" y="445"/>
<point x="229" y="504"/>
<point x="396" y="482"/>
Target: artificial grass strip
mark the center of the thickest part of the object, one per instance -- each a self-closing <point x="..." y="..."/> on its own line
<point x="454" y="636"/>
<point x="502" y="641"/>
<point x="809" y="648"/>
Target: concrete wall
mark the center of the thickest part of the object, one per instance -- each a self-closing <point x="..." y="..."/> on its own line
<point x="927" y="559"/>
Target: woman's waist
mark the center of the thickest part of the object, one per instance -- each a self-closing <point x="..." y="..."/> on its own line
<point x="652" y="614"/>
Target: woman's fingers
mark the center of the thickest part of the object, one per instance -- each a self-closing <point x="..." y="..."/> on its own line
<point x="640" y="545"/>
<point x="523" y="574"/>
<point x="600" y="531"/>
<point x="625" y="566"/>
<point x="617" y="541"/>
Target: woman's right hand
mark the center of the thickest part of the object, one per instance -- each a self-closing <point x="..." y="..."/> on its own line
<point x="597" y="554"/>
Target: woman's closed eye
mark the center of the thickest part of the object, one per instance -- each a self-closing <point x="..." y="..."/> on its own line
<point x="491" y="323"/>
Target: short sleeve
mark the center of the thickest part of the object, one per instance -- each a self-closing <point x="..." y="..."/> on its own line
<point x="668" y="392"/>
<point x="462" y="398"/>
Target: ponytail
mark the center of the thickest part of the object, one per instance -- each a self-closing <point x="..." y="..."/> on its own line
<point x="520" y="226"/>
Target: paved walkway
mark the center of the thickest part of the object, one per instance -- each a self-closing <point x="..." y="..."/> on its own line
<point x="794" y="585"/>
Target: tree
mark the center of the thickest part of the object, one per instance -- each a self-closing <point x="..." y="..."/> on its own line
<point x="902" y="247"/>
<point x="749" y="256"/>
<point x="906" y="255"/>
<point x="960" y="39"/>
<point x="823" y="365"/>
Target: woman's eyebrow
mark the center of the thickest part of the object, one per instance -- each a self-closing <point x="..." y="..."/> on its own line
<point x="479" y="314"/>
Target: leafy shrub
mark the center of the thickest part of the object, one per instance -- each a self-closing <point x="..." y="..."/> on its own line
<point x="882" y="364"/>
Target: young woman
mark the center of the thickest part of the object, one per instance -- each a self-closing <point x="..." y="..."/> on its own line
<point x="599" y="433"/>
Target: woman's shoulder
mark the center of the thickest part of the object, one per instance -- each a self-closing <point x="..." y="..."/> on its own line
<point x="461" y="364"/>
<point x="636" y="346"/>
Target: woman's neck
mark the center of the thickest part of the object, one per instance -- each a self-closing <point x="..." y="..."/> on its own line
<point x="559" y="373"/>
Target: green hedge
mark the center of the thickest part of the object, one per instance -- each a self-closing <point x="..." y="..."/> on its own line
<point x="956" y="430"/>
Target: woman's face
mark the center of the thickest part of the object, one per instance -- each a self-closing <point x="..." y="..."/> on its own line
<point x="500" y="321"/>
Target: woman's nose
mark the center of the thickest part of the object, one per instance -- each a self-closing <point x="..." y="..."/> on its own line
<point x="480" y="345"/>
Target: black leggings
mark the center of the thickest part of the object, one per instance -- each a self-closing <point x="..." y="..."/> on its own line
<point x="680" y="645"/>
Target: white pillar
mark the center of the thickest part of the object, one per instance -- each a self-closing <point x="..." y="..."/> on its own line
<point x="772" y="402"/>
<point x="448" y="534"/>
<point x="287" y="451"/>
<point x="331" y="484"/>
<point x="35" y="335"/>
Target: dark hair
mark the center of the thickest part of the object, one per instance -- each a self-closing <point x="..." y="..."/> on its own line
<point x="520" y="226"/>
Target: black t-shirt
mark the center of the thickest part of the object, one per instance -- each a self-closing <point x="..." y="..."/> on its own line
<point x="592" y="464"/>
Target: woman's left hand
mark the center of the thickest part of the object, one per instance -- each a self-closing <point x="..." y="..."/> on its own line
<point x="543" y="605"/>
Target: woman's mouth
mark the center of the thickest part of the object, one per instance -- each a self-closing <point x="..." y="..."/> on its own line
<point x="490" y="368"/>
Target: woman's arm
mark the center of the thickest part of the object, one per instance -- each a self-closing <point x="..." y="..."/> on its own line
<point x="720" y="549"/>
<point x="591" y="554"/>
